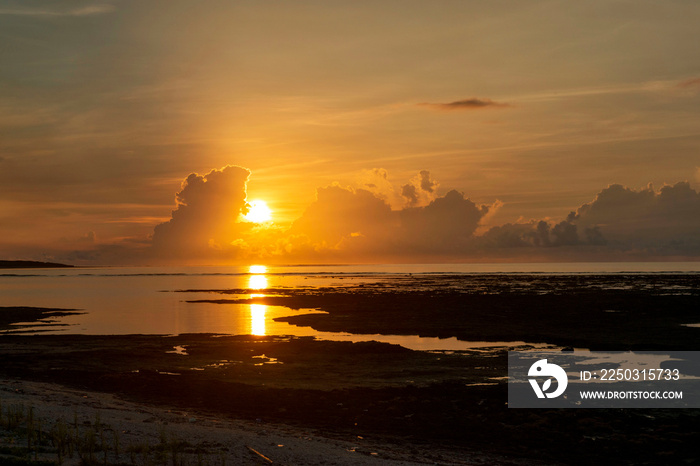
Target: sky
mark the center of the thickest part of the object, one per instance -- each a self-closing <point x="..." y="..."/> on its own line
<point x="140" y="132"/>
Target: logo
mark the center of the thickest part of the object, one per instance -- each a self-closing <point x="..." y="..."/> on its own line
<point x="544" y="369"/>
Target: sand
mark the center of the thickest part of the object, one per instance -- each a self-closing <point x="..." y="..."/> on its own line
<point x="210" y="439"/>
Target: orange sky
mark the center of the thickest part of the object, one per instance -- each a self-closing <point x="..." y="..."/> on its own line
<point x="528" y="110"/>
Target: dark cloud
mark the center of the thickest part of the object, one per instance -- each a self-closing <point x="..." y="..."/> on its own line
<point x="426" y="183"/>
<point x="664" y="222"/>
<point x="421" y="189"/>
<point x="410" y="193"/>
<point x="534" y="234"/>
<point x="445" y="225"/>
<point x="466" y="104"/>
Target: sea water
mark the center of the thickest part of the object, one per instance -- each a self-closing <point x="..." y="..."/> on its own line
<point x="148" y="300"/>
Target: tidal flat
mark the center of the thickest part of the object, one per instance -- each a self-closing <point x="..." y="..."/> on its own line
<point x="369" y="402"/>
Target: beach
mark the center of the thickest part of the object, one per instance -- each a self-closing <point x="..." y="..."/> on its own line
<point x="150" y="433"/>
<point x="233" y="399"/>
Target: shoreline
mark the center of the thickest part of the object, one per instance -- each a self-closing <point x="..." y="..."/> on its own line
<point x="403" y="401"/>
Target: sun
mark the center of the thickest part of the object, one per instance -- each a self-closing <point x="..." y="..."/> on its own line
<point x="258" y="212"/>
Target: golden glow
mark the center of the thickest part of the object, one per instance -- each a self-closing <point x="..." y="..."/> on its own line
<point x="257" y="319"/>
<point x="259" y="212"/>
<point x="257" y="282"/>
<point x="257" y="269"/>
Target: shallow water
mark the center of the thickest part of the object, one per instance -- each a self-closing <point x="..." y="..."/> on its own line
<point x="144" y="300"/>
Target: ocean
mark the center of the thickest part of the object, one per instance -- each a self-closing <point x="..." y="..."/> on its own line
<point x="149" y="300"/>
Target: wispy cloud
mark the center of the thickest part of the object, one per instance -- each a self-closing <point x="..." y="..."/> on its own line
<point x="628" y="88"/>
<point x="88" y="10"/>
<point x="465" y="104"/>
<point x="689" y="83"/>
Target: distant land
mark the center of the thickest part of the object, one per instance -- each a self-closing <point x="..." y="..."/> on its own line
<point x="30" y="265"/>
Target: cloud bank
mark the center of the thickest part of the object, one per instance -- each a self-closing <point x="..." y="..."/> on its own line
<point x="342" y="223"/>
<point x="359" y="224"/>
<point x="620" y="219"/>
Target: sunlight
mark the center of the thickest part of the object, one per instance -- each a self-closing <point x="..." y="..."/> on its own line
<point x="257" y="281"/>
<point x="257" y="269"/>
<point x="257" y="319"/>
<point x="259" y="212"/>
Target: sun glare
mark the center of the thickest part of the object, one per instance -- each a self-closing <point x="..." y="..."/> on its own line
<point x="257" y="269"/>
<point x="259" y="212"/>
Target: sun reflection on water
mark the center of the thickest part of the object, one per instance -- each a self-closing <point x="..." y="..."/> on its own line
<point x="257" y="269"/>
<point x="257" y="319"/>
<point x="257" y="281"/>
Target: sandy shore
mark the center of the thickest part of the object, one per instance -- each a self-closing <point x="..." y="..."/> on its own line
<point x="205" y="439"/>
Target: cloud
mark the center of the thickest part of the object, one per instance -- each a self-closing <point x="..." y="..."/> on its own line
<point x="663" y="221"/>
<point x="207" y="213"/>
<point x="445" y="225"/>
<point x="357" y="222"/>
<point x="410" y="192"/>
<point x="426" y="183"/>
<point x="339" y="213"/>
<point x="377" y="181"/>
<point x="537" y="233"/>
<point x="420" y="190"/>
<point x="620" y="219"/>
<point x="466" y="104"/>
